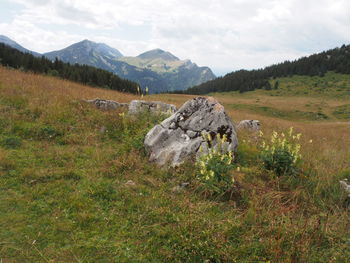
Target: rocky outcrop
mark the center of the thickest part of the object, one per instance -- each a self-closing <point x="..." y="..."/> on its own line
<point x="107" y="104"/>
<point x="179" y="137"/>
<point x="136" y="106"/>
<point x="252" y="125"/>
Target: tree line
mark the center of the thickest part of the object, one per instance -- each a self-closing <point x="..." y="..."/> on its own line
<point x="337" y="60"/>
<point x="84" y="74"/>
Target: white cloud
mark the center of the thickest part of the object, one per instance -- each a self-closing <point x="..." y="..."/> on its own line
<point x="227" y="34"/>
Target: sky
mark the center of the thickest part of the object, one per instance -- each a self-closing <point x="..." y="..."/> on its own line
<point x="225" y="35"/>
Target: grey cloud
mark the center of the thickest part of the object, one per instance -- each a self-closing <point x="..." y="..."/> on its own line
<point x="222" y="34"/>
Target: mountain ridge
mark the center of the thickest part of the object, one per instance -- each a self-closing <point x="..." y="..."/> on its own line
<point x="158" y="53"/>
<point x="162" y="71"/>
<point x="6" y="40"/>
<point x="156" y="69"/>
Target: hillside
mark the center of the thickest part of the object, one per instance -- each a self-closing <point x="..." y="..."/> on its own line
<point x="76" y="184"/>
<point x="11" y="57"/>
<point x="7" y="41"/>
<point x="337" y="60"/>
<point x="86" y="52"/>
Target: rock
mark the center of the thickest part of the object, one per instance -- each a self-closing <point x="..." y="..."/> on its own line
<point x="137" y="106"/>
<point x="103" y="129"/>
<point x="179" y="137"/>
<point x="107" y="104"/>
<point x="252" y="125"/>
<point x="180" y="188"/>
<point x="130" y="183"/>
<point x="345" y="185"/>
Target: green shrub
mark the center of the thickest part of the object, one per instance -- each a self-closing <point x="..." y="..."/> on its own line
<point x="214" y="166"/>
<point x="282" y="153"/>
<point x="11" y="142"/>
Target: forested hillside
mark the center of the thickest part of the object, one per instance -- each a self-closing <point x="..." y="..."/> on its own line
<point x="337" y="60"/>
<point x="79" y="73"/>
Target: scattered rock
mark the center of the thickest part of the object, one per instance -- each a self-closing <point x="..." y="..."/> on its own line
<point x="137" y="106"/>
<point x="103" y="129"/>
<point x="179" y="188"/>
<point x="107" y="104"/>
<point x="346" y="187"/>
<point x="179" y="137"/>
<point x="252" y="125"/>
<point x="130" y="183"/>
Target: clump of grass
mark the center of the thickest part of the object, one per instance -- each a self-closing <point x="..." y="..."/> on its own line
<point x="11" y="142"/>
<point x="342" y="112"/>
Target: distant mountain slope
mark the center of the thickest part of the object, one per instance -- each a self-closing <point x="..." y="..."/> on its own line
<point x="7" y="41"/>
<point x="158" y="54"/>
<point x="86" y="52"/>
<point x="179" y="74"/>
<point x="104" y="57"/>
<point x="158" y="70"/>
<point x="337" y="60"/>
<point x="79" y="73"/>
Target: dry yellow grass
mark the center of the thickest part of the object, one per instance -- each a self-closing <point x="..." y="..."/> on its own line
<point x="54" y="90"/>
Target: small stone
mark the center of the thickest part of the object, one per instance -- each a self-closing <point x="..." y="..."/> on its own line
<point x="103" y="129"/>
<point x="130" y="183"/>
<point x="179" y="188"/>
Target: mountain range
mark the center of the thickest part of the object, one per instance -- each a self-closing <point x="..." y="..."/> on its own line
<point x="158" y="70"/>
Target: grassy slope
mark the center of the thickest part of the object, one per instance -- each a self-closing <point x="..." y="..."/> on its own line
<point x="64" y="197"/>
<point x="156" y="65"/>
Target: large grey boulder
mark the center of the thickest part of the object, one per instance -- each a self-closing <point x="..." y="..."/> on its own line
<point x="107" y="104"/>
<point x="179" y="137"/>
<point x="252" y="125"/>
<point x="137" y="106"/>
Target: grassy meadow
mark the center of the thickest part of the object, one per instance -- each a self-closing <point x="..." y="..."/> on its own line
<point x="76" y="185"/>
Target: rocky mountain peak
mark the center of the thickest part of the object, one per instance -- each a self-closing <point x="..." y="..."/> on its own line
<point x="158" y="54"/>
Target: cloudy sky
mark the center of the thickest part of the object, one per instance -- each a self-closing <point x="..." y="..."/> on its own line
<point x="225" y="35"/>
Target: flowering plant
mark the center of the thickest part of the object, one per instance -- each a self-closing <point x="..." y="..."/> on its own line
<point x="281" y="153"/>
<point x="214" y="164"/>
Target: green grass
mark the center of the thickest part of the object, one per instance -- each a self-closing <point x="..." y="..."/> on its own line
<point x="332" y="85"/>
<point x="342" y="112"/>
<point x="279" y="113"/>
<point x="298" y="98"/>
<point x="64" y="196"/>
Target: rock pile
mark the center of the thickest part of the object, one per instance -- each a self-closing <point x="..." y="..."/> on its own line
<point x="107" y="104"/>
<point x="136" y="106"/>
